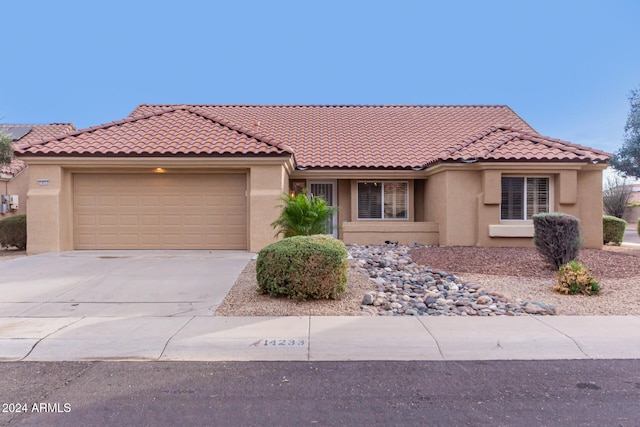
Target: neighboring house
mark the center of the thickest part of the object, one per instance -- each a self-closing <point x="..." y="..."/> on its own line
<point x="14" y="177"/>
<point x="635" y="193"/>
<point x="632" y="212"/>
<point x="210" y="177"/>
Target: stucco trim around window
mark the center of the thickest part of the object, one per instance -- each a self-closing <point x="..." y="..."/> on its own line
<point x="511" y="230"/>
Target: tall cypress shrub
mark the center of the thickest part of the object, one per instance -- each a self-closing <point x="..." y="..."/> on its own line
<point x="557" y="237"/>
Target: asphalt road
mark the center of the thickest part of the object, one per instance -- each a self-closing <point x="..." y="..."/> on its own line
<point x="512" y="393"/>
<point x="631" y="236"/>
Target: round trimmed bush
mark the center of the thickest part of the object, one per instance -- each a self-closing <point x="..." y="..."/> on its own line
<point x="13" y="232"/>
<point x="613" y="229"/>
<point x="303" y="267"/>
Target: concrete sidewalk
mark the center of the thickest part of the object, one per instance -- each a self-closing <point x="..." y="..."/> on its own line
<point x="318" y="338"/>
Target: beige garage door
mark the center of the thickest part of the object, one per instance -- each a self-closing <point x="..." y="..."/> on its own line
<point x="160" y="211"/>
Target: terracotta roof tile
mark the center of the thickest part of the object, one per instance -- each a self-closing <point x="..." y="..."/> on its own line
<point x="174" y="131"/>
<point x="38" y="133"/>
<point x="346" y="136"/>
<point x="338" y="136"/>
<point x="505" y="143"/>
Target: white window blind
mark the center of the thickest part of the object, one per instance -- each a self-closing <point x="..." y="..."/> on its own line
<point x="537" y="196"/>
<point x="395" y="200"/>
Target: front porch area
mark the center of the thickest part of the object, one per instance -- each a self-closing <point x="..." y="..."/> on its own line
<point x="380" y="232"/>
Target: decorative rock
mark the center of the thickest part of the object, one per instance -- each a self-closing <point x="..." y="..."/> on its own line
<point x="484" y="299"/>
<point x="368" y="298"/>
<point x="403" y="288"/>
<point x="533" y="308"/>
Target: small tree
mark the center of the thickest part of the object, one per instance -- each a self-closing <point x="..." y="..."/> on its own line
<point x="6" y="148"/>
<point x="627" y="158"/>
<point x="303" y="216"/>
<point x="615" y="196"/>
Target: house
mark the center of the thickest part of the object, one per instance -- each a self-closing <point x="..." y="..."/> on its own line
<point x="14" y="180"/>
<point x="210" y="177"/>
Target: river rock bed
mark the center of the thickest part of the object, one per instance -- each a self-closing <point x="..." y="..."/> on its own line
<point x="404" y="288"/>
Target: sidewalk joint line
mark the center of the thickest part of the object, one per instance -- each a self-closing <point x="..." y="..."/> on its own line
<point x="434" y="339"/>
<point x="33" y="347"/>
<point x="309" y="341"/>
<point x="171" y="337"/>
<point x="562" y="333"/>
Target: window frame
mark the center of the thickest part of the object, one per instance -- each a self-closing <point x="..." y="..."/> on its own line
<point x="525" y="197"/>
<point x="382" y="213"/>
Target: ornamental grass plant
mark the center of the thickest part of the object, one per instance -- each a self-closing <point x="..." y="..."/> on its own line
<point x="303" y="216"/>
<point x="574" y="278"/>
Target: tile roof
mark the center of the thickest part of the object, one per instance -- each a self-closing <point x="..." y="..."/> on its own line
<point x="179" y="131"/>
<point x="38" y="133"/>
<point x="504" y="143"/>
<point x="345" y="136"/>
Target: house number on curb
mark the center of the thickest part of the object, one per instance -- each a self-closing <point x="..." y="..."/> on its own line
<point x="278" y="343"/>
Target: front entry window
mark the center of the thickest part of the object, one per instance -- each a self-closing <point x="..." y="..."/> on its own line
<point x="523" y="197"/>
<point x="382" y="200"/>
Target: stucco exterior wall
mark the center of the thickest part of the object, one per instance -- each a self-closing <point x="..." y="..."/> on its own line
<point x="267" y="184"/>
<point x="344" y="205"/>
<point x="631" y="215"/>
<point x="589" y="201"/>
<point x="435" y="204"/>
<point x="455" y="205"/>
<point x="44" y="210"/>
<point x="465" y="201"/>
<point x="380" y="232"/>
<point x="50" y="207"/>
<point x="18" y="186"/>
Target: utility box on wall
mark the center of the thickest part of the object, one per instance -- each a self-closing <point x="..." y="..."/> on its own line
<point x="13" y="202"/>
<point x="8" y="202"/>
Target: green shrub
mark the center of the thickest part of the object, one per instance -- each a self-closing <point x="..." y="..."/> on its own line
<point x="557" y="237"/>
<point x="302" y="216"/>
<point x="303" y="267"/>
<point x="613" y="229"/>
<point x="574" y="278"/>
<point x="13" y="232"/>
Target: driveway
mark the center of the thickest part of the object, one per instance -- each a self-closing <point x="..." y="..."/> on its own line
<point x="118" y="283"/>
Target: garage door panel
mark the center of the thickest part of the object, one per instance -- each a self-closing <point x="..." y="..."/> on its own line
<point x="85" y="200"/>
<point x="124" y="200"/>
<point x="171" y="201"/>
<point x="136" y="211"/>
<point x="108" y="220"/>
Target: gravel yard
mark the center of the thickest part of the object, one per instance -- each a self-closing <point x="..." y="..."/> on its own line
<point x="515" y="273"/>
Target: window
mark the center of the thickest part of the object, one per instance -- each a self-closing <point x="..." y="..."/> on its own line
<point x="523" y="197"/>
<point x="382" y="200"/>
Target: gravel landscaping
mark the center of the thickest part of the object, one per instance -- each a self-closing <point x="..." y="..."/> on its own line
<point x="461" y="281"/>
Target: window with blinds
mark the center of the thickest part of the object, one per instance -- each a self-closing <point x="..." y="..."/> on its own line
<point x="523" y="197"/>
<point x="382" y="200"/>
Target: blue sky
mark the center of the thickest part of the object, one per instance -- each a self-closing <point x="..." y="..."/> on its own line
<point x="567" y="67"/>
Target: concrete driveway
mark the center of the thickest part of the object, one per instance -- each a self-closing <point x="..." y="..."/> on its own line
<point x="118" y="283"/>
